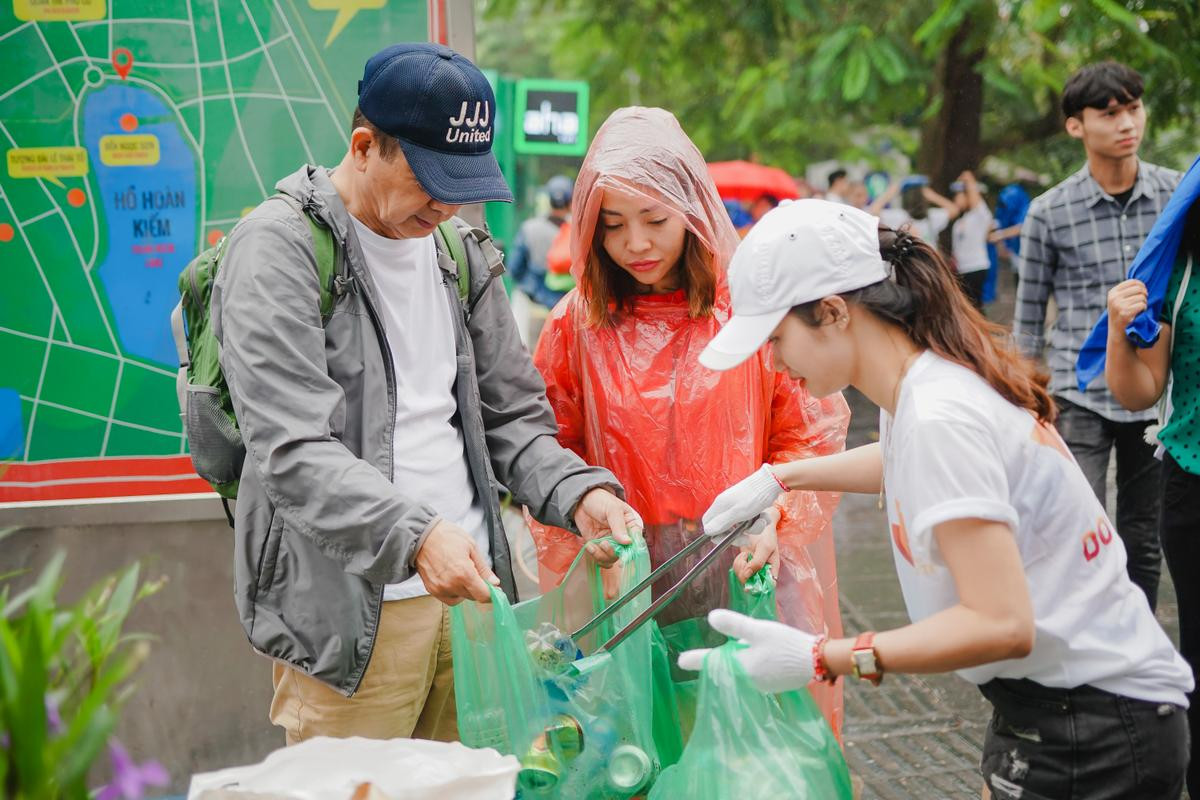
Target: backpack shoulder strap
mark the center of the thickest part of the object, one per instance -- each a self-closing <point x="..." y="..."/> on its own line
<point x="1183" y="287"/>
<point x="447" y="236"/>
<point x="1164" y="401"/>
<point x="450" y="238"/>
<point x="323" y="252"/>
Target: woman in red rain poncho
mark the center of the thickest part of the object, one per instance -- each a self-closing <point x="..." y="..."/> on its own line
<point x="650" y="242"/>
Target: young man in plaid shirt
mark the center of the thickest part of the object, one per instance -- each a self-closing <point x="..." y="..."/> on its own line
<point x="1077" y="243"/>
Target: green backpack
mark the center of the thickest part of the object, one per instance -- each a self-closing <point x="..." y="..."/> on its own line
<point x="209" y="422"/>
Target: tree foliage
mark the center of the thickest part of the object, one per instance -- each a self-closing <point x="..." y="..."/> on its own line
<point x="792" y="81"/>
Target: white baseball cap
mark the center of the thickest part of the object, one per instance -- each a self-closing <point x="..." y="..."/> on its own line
<point x="798" y="252"/>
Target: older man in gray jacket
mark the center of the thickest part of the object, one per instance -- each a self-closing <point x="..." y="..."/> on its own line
<point x="379" y="436"/>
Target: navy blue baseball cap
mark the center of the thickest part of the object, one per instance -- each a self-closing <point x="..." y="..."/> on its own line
<point x="559" y="189"/>
<point x="442" y="110"/>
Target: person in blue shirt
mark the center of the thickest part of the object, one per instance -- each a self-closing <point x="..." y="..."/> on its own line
<point x="1012" y="205"/>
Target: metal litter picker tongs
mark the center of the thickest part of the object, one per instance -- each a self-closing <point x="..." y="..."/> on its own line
<point x="748" y="528"/>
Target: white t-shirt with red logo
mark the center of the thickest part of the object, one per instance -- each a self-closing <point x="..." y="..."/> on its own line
<point x="957" y="450"/>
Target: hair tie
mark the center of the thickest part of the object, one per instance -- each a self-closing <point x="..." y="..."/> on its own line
<point x="902" y="247"/>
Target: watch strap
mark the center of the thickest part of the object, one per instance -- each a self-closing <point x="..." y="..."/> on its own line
<point x="865" y="643"/>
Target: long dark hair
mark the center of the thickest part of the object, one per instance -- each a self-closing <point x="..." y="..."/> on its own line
<point x="925" y="300"/>
<point x="1191" y="231"/>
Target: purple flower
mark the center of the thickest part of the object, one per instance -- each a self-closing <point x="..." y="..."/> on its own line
<point x="130" y="780"/>
<point x="53" y="720"/>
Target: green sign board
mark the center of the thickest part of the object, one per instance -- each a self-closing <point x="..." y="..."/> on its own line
<point x="132" y="135"/>
<point x="551" y="117"/>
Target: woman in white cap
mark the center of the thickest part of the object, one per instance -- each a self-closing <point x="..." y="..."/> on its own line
<point x="1011" y="570"/>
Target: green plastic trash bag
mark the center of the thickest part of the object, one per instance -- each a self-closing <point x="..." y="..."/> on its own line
<point x="676" y="690"/>
<point x="579" y="719"/>
<point x="754" y="746"/>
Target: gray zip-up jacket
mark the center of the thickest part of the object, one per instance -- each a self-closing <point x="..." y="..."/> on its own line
<point x="320" y="527"/>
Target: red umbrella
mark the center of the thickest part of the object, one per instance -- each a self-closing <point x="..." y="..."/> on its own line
<point x="744" y="180"/>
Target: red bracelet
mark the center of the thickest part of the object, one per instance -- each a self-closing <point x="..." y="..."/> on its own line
<point x="820" y="671"/>
<point x="775" y="475"/>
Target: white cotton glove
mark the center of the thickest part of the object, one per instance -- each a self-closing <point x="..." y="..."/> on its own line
<point x="747" y="498"/>
<point x="778" y="658"/>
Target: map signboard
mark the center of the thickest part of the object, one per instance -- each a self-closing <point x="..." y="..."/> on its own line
<point x="135" y="133"/>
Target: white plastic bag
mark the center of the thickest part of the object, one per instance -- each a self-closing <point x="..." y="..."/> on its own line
<point x="402" y="769"/>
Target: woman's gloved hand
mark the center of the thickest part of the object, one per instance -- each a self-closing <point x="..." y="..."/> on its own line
<point x="745" y="499"/>
<point x="777" y="657"/>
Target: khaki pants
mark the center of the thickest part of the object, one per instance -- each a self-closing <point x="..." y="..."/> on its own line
<point x="407" y="691"/>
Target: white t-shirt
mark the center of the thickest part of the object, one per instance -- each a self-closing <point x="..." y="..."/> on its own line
<point x="970" y="239"/>
<point x="959" y="450"/>
<point x="429" y="456"/>
<point x="936" y="220"/>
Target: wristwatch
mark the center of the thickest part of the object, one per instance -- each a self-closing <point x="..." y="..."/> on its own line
<point x="864" y="663"/>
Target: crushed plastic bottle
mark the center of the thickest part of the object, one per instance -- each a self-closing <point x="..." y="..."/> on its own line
<point x="551" y="650"/>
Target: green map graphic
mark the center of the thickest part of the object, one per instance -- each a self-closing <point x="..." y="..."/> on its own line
<point x="166" y="120"/>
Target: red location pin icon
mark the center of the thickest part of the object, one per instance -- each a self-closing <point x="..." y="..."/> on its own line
<point x="122" y="61"/>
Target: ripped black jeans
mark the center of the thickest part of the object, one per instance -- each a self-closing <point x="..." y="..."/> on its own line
<point x="1072" y="744"/>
